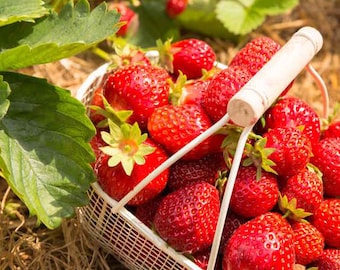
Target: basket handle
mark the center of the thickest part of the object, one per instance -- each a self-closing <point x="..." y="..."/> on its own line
<point x="259" y="93"/>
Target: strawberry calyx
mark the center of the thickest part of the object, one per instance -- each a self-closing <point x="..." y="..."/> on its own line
<point x="116" y="116"/>
<point x="258" y="155"/>
<point x="176" y="88"/>
<point x="289" y="209"/>
<point x="166" y="54"/>
<point x="125" y="145"/>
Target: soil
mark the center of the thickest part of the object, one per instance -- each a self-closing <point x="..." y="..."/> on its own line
<point x="24" y="244"/>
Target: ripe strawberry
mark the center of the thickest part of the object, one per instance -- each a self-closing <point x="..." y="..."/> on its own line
<point x="175" y="7"/>
<point x="308" y="243"/>
<point x="126" y="160"/>
<point x="329" y="260"/>
<point x="307" y="188"/>
<point x="332" y="130"/>
<point x="186" y="218"/>
<point x="255" y="54"/>
<point x="175" y="126"/>
<point x="251" y="196"/>
<point x="264" y="242"/>
<point x="294" y="112"/>
<point x="127" y="16"/>
<point x="190" y="56"/>
<point x="292" y="150"/>
<point x="221" y="89"/>
<point x="327" y="220"/>
<point x="186" y="172"/>
<point x="326" y="156"/>
<point x="139" y="88"/>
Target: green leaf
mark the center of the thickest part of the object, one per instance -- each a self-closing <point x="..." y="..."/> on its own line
<point x="4" y="102"/>
<point x="153" y="24"/>
<point x="55" y="36"/>
<point x="45" y="152"/>
<point x="20" y="10"/>
<point x="269" y="7"/>
<point x="238" y="16"/>
<point x="243" y="16"/>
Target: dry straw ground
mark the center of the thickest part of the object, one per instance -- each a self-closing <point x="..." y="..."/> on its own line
<point x="23" y="245"/>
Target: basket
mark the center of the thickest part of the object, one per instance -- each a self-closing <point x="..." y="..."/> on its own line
<point x="131" y="242"/>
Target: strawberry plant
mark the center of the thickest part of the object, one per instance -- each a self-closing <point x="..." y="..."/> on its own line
<point x="44" y="132"/>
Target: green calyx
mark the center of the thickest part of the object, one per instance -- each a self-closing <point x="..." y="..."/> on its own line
<point x="125" y="145"/>
<point x="289" y="209"/>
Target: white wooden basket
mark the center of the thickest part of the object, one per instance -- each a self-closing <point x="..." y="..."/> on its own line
<point x="131" y="242"/>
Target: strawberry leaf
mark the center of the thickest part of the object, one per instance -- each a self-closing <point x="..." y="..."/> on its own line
<point x="4" y="102"/>
<point x="20" y="10"/>
<point x="45" y="152"/>
<point x="54" y="37"/>
<point x="242" y="16"/>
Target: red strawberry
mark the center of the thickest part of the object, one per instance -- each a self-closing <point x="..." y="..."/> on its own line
<point x="187" y="218"/>
<point x="327" y="220"/>
<point x="308" y="243"/>
<point x="221" y="89"/>
<point x="127" y="16"/>
<point x="139" y="88"/>
<point x="332" y="130"/>
<point x="251" y="196"/>
<point x="175" y="7"/>
<point x="307" y="188"/>
<point x="186" y="172"/>
<point x="127" y="159"/>
<point x="326" y="156"/>
<point x="294" y="112"/>
<point x="255" y="54"/>
<point x="329" y="260"/>
<point x="292" y="150"/>
<point x="265" y="242"/>
<point x="175" y="126"/>
<point x="190" y="56"/>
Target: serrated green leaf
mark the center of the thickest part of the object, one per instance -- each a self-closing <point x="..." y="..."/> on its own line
<point x="45" y="150"/>
<point x="153" y="24"/>
<point x="237" y="17"/>
<point x="269" y="7"/>
<point x="21" y="10"/>
<point x="4" y="102"/>
<point x="55" y="37"/>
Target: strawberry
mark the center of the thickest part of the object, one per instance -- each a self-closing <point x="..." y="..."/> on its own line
<point x="128" y="18"/>
<point x="221" y="89"/>
<point x="175" y="126"/>
<point x="306" y="187"/>
<point x="308" y="243"/>
<point x="186" y="172"/>
<point x="255" y="54"/>
<point x="251" y="196"/>
<point x="329" y="260"/>
<point x="292" y="150"/>
<point x="327" y="220"/>
<point x="173" y="8"/>
<point x="190" y="56"/>
<point x="186" y="218"/>
<point x="326" y="156"/>
<point x="264" y="242"/>
<point x="294" y="112"/>
<point x="140" y="88"/>
<point x="332" y="130"/>
<point x="126" y="160"/>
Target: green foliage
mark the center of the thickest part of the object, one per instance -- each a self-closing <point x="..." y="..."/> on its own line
<point x="45" y="153"/>
<point x="55" y="36"/>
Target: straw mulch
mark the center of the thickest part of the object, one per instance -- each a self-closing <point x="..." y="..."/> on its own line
<point x="24" y="245"/>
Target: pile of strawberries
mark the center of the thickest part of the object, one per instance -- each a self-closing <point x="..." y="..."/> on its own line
<point x="285" y="206"/>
